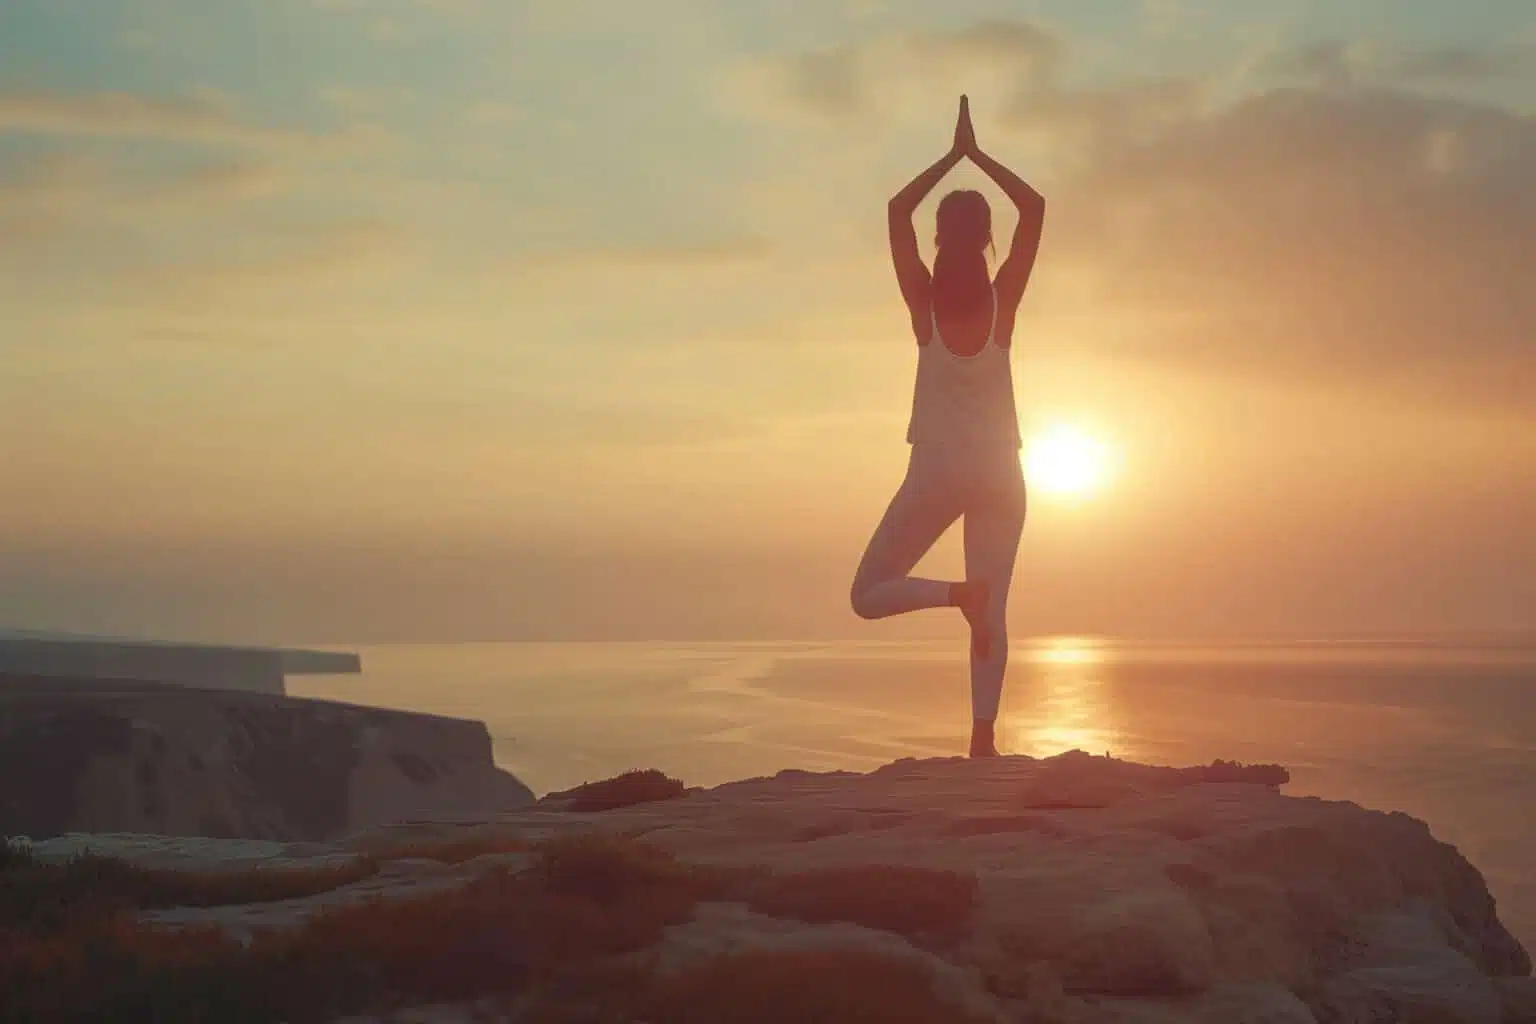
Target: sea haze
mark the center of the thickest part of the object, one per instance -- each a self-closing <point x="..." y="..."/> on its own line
<point x="1443" y="731"/>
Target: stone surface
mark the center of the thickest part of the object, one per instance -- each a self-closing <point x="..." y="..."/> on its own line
<point x="171" y="760"/>
<point x="1107" y="891"/>
<point x="1147" y="893"/>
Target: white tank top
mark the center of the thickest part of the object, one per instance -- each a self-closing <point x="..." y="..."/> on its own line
<point x="964" y="400"/>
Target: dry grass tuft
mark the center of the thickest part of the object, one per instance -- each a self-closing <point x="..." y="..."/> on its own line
<point x="911" y="901"/>
<point x="808" y="987"/>
<point x="500" y="934"/>
<point x="44" y="896"/>
<point x="450" y="851"/>
<point x="557" y="939"/>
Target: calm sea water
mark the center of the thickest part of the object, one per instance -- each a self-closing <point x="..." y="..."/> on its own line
<point x="1445" y="732"/>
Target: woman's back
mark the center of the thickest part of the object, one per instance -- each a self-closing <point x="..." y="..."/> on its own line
<point x="963" y="396"/>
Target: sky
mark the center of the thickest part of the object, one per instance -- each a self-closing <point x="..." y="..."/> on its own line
<point x="353" y="321"/>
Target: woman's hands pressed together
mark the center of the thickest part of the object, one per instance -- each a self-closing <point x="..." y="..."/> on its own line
<point x="965" y="132"/>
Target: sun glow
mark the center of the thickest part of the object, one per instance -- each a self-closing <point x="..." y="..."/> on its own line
<point x="1071" y="705"/>
<point x="1066" y="460"/>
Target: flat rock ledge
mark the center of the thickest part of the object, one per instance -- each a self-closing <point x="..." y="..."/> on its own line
<point x="1106" y="891"/>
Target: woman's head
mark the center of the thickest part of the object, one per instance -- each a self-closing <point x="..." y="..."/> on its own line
<point x="961" y="281"/>
<point x="964" y="222"/>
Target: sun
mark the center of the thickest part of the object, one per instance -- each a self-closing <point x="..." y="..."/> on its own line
<point x="1065" y="460"/>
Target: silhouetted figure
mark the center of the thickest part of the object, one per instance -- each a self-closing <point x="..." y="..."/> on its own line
<point x="964" y="430"/>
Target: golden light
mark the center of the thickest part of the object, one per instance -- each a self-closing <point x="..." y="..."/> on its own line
<point x="1067" y="650"/>
<point x="1072" y="708"/>
<point x="1066" y="460"/>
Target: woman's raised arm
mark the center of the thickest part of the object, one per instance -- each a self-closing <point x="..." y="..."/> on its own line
<point x="1013" y="275"/>
<point x="911" y="273"/>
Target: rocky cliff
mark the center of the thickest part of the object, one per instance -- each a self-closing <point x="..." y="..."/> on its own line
<point x="1073" y="890"/>
<point x="104" y="757"/>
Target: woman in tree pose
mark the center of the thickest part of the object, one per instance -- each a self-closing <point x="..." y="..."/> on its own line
<point x="964" y="431"/>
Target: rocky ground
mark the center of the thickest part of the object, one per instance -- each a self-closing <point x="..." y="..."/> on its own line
<point x="1070" y="889"/>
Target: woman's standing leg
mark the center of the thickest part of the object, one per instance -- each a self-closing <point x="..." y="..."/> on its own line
<point x="924" y="507"/>
<point x="993" y="526"/>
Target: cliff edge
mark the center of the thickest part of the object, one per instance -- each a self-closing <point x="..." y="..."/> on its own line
<point x="98" y="756"/>
<point x="1071" y="890"/>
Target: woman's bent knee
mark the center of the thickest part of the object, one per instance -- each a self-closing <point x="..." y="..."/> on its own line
<point x="859" y="598"/>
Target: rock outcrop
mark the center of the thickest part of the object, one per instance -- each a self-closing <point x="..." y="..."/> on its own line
<point x="1071" y="889"/>
<point x="102" y="757"/>
<point x="67" y="658"/>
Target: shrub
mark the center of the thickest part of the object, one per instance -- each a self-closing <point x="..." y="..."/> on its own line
<point x="807" y="987"/>
<point x="596" y="992"/>
<point x="450" y="851"/>
<point x="37" y="895"/>
<point x="1236" y="771"/>
<point x="603" y="866"/>
<point x="12" y="853"/>
<point x="636" y="787"/>
<point x="910" y="901"/>
<point x="118" y="971"/>
<point x="498" y="934"/>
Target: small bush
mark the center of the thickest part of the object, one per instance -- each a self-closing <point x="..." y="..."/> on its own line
<point x="450" y="851"/>
<point x="1236" y="771"/>
<point x="12" y="853"/>
<point x="41" y="896"/>
<point x="829" y="987"/>
<point x="910" y="901"/>
<point x="642" y="889"/>
<point x="485" y="938"/>
<point x="598" y="992"/>
<point x="499" y="934"/>
<point x="637" y="787"/>
<point x="603" y="866"/>
<point x="106" y="971"/>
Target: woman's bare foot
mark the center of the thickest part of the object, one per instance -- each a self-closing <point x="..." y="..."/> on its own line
<point x="971" y="597"/>
<point x="983" y="743"/>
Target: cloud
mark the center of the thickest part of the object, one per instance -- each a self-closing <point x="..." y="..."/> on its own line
<point x="726" y="250"/>
<point x="46" y="183"/>
<point x="1463" y="64"/>
<point x="434" y="6"/>
<point x="1356" y="237"/>
<point x="54" y="191"/>
<point x="1082" y="118"/>
<point x="874" y="76"/>
<point x="545" y="421"/>
<point x="224" y="179"/>
<point x="372" y="102"/>
<point x="135" y="39"/>
<point x="122" y="115"/>
<point x="281" y="264"/>
<point x="1335" y="63"/>
<point x="1329" y="232"/>
<point x="203" y="117"/>
<point x="115" y="159"/>
<point x="396" y="22"/>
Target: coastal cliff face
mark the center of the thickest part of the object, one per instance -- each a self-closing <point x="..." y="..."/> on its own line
<point x="1070" y="890"/>
<point x="98" y="757"/>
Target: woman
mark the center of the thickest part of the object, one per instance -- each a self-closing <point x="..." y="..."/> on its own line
<point x="964" y="430"/>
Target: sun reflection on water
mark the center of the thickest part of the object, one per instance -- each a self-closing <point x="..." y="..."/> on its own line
<point x="1067" y="650"/>
<point x="1065" y="703"/>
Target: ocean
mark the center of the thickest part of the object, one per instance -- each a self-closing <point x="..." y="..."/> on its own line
<point x="1445" y="731"/>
